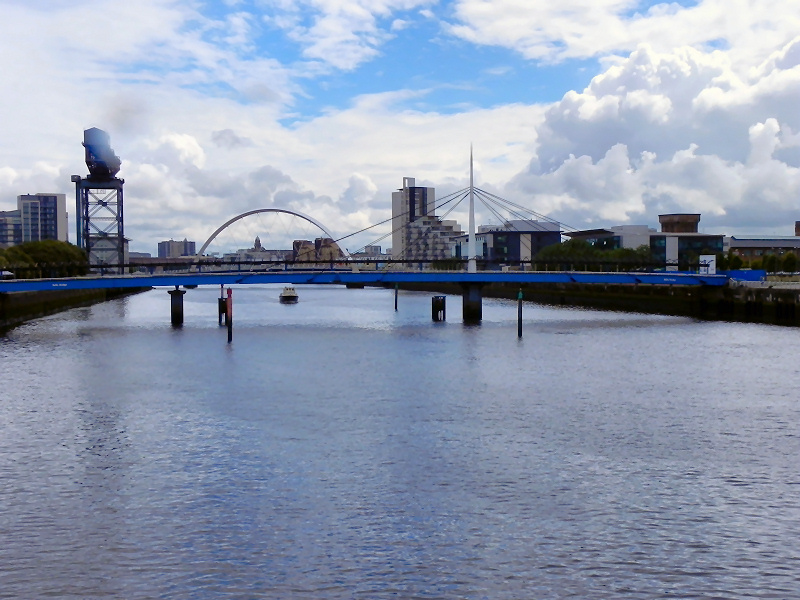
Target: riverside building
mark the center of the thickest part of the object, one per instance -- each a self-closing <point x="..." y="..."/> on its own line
<point x="512" y="243"/>
<point x="38" y="217"/>
<point x="418" y="235"/>
<point x="676" y="245"/>
<point x="173" y="249"/>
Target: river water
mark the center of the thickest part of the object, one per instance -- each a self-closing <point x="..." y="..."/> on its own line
<point x="340" y="449"/>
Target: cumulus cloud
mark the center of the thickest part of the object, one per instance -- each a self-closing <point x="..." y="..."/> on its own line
<point x="648" y="137"/>
<point x="360" y="191"/>
<point x="227" y="138"/>
<point x="178" y="149"/>
<point x="588" y="28"/>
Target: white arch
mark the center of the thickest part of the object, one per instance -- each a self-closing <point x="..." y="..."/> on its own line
<point x="264" y="210"/>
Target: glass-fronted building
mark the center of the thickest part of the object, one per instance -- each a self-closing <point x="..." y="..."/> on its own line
<point x="43" y="217"/>
<point x="10" y="228"/>
<point x="515" y="242"/>
<point x="38" y="217"/>
<point x="683" y="250"/>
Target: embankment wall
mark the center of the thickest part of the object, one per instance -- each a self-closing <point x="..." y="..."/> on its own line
<point x="18" y="307"/>
<point x="745" y="304"/>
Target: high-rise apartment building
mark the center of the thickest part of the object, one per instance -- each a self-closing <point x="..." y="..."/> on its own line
<point x="10" y="228"/>
<point x="417" y="233"/>
<point x="43" y="217"/>
<point x="173" y="249"/>
<point x="38" y="217"/>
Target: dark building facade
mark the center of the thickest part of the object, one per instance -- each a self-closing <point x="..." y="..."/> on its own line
<point x="514" y="242"/>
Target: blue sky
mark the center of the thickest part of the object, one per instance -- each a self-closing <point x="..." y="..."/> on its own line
<point x="595" y="112"/>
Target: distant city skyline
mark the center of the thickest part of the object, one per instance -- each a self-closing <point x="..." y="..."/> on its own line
<point x="596" y="115"/>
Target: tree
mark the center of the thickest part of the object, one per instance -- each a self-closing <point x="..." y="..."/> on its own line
<point x="581" y="254"/>
<point x="789" y="263"/>
<point x="48" y="258"/>
<point x="770" y="263"/>
<point x="571" y="250"/>
<point x="735" y="262"/>
<point x="571" y="253"/>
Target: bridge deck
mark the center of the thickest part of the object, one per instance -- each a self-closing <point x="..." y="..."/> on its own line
<point x="299" y="277"/>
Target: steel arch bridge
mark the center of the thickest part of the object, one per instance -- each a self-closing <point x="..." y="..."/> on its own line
<point x="230" y="222"/>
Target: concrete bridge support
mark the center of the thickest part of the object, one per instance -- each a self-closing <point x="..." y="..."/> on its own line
<point x="472" y="303"/>
<point x="176" y="306"/>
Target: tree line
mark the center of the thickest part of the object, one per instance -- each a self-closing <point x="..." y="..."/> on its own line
<point x="48" y="258"/>
<point x="771" y="263"/>
<point x="578" y="254"/>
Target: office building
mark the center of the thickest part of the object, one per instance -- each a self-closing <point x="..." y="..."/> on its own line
<point x="677" y="245"/>
<point x="756" y="247"/>
<point x="514" y="242"/>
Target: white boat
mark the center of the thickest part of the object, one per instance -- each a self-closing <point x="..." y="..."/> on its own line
<point x="288" y="295"/>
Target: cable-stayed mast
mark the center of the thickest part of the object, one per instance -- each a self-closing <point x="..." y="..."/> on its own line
<point x="472" y="265"/>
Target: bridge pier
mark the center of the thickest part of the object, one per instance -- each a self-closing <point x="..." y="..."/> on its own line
<point x="472" y="303"/>
<point x="176" y="306"/>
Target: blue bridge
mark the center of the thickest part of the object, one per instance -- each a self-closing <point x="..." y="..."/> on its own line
<point x="471" y="282"/>
<point x="354" y="276"/>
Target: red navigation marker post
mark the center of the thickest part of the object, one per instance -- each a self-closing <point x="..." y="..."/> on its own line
<point x="229" y="314"/>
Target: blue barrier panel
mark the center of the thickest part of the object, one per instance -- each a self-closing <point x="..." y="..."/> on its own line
<point x="746" y="275"/>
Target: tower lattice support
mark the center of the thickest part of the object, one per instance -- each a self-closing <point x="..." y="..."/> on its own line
<point x="100" y="227"/>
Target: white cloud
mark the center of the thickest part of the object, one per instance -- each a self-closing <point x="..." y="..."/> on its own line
<point x="341" y="34"/>
<point x="179" y="149"/>
<point x="361" y="191"/>
<point x="399" y="24"/>
<point x="588" y="28"/>
<point x="673" y="132"/>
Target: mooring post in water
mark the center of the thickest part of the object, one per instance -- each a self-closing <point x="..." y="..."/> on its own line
<point x="438" y="308"/>
<point x="176" y="306"/>
<point x="229" y="314"/>
<point x="519" y="313"/>
<point x="222" y="305"/>
<point x="471" y="301"/>
<point x="396" y="287"/>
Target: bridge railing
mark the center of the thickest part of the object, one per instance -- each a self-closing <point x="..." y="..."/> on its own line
<point x="59" y="270"/>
